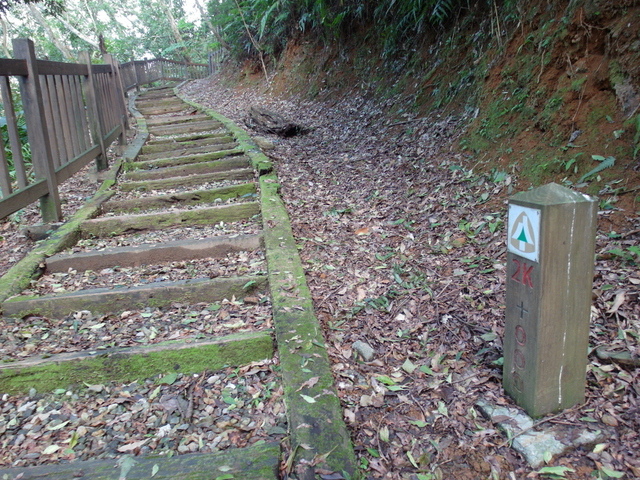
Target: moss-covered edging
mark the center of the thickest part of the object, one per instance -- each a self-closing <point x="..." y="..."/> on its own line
<point x="119" y="299"/>
<point x="256" y="462"/>
<point x="134" y="363"/>
<point x="314" y="412"/>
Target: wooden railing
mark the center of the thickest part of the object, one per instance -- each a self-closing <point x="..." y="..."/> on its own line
<point x="143" y="72"/>
<point x="72" y="113"/>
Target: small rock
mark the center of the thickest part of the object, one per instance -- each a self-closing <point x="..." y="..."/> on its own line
<point x="251" y="300"/>
<point x="365" y="350"/>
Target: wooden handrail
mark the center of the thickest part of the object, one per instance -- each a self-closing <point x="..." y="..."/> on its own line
<point x="73" y="112"/>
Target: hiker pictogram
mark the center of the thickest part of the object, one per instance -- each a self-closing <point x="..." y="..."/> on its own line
<point x="524" y="231"/>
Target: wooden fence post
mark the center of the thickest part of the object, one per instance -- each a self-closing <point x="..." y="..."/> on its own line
<point x="116" y="79"/>
<point x="550" y="262"/>
<point x="95" y="123"/>
<point x="37" y="130"/>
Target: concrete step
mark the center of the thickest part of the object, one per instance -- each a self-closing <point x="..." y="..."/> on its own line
<point x="186" y="142"/>
<point x="175" y="251"/>
<point x="257" y="462"/>
<point x="130" y="205"/>
<point x="244" y="174"/>
<point x="185" y="138"/>
<point x="213" y="152"/>
<point x="119" y="299"/>
<point x="202" y="126"/>
<point x="223" y="143"/>
<point x="177" y="119"/>
<point x="124" y="224"/>
<point x="128" y="364"/>
<point x="196" y="168"/>
<point x="152" y="109"/>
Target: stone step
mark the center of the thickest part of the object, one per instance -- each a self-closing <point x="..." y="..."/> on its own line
<point x="128" y="364"/>
<point x="185" y="138"/>
<point x="177" y="119"/>
<point x="245" y="174"/>
<point x="175" y="251"/>
<point x="197" y="168"/>
<point x="222" y="143"/>
<point x="176" y="199"/>
<point x="177" y="143"/>
<point x="123" y="224"/>
<point x="152" y="109"/>
<point x="257" y="462"/>
<point x="213" y="152"/>
<point x="186" y="128"/>
<point x="116" y="300"/>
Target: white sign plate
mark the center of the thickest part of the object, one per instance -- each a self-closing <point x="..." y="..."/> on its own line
<point x="523" y="233"/>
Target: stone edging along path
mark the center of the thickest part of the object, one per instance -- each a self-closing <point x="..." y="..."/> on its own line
<point x="318" y="436"/>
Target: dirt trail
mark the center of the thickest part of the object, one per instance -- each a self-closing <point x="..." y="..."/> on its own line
<point x="404" y="251"/>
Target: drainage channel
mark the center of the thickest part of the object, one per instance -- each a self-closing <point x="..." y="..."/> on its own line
<point x="154" y="326"/>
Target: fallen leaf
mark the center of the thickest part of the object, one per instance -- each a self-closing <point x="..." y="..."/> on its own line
<point x="50" y="449"/>
<point x="617" y="303"/>
<point x="309" y="383"/>
<point x="129" y="447"/>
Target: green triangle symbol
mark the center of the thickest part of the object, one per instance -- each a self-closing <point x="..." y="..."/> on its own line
<point x="523" y="236"/>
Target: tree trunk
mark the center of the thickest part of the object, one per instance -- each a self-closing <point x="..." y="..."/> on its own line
<point x="266" y="121"/>
<point x="174" y="28"/>
<point x="53" y="36"/>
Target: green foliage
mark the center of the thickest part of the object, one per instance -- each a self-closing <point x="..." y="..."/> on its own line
<point x="398" y="23"/>
<point x="26" y="150"/>
<point x="53" y="7"/>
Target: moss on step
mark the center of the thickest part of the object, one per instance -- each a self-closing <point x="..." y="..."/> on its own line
<point x="197" y="168"/>
<point x="191" y="180"/>
<point x="188" y="198"/>
<point x="112" y="226"/>
<point x="112" y="300"/>
<point x="186" y="128"/>
<point x="134" y="363"/>
<point x="256" y="462"/>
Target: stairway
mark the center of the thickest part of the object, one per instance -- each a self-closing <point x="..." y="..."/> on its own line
<point x="178" y="253"/>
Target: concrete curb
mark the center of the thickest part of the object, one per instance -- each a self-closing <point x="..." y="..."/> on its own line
<point x="319" y="435"/>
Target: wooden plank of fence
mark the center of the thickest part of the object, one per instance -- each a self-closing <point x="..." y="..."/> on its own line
<point x="12" y="129"/>
<point x="37" y="131"/>
<point x="12" y="67"/>
<point x="5" y="178"/>
<point x="67" y="152"/>
<point x="47" y="102"/>
<point x="95" y="124"/>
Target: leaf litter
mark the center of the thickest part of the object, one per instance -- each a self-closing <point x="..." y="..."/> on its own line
<point x="232" y="264"/>
<point x="36" y="335"/>
<point x="164" y="415"/>
<point x="404" y="251"/>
